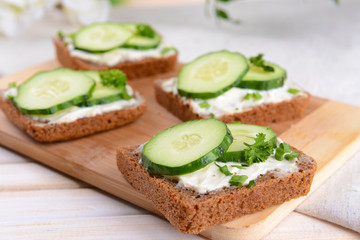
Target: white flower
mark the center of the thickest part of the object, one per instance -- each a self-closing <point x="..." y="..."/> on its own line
<point x="86" y="12"/>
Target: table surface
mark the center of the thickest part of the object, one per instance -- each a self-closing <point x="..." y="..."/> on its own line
<point x="40" y="203"/>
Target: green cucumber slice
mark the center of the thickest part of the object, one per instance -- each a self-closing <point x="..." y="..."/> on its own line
<point x="101" y="37"/>
<point x="186" y="147"/>
<point x="140" y="42"/>
<point x="103" y="94"/>
<point x="211" y="74"/>
<point x="51" y="91"/>
<point x="244" y="133"/>
<point x="257" y="78"/>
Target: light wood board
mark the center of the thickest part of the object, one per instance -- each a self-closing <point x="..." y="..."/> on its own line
<point x="330" y="132"/>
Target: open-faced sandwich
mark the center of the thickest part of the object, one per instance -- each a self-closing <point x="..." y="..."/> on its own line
<point x="136" y="49"/>
<point x="204" y="172"/>
<point x="64" y="104"/>
<point x="227" y="86"/>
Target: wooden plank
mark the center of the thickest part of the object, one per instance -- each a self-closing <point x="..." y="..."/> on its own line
<point x="8" y="156"/>
<point x="61" y="204"/>
<point x="33" y="176"/>
<point x="118" y="227"/>
<point x="92" y="159"/>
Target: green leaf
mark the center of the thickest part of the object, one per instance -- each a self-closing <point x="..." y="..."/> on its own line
<point x="145" y="30"/>
<point x="168" y="49"/>
<point x="60" y="34"/>
<point x="212" y="115"/>
<point x="238" y="180"/>
<point x="292" y="155"/>
<point x="251" y="184"/>
<point x="221" y="14"/>
<point x="260" y="62"/>
<point x="293" y="91"/>
<point x="204" y="105"/>
<point x="259" y="151"/>
<point x="224" y="169"/>
<point x="239" y="166"/>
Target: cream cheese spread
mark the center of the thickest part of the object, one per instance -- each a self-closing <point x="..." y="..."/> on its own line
<point x="232" y="101"/>
<point x="210" y="178"/>
<point x="74" y="113"/>
<point x="119" y="55"/>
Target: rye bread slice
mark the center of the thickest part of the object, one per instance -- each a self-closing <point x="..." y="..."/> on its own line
<point x="191" y="212"/>
<point x="133" y="70"/>
<point x="44" y="132"/>
<point x="259" y="115"/>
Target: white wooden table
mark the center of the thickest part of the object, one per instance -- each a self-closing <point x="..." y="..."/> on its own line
<point x="39" y="203"/>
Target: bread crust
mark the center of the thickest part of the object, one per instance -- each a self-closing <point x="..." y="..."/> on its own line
<point x="260" y="115"/>
<point x="44" y="132"/>
<point x="133" y="70"/>
<point x="191" y="212"/>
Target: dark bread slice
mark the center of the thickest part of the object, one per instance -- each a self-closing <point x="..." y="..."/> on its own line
<point x="260" y="115"/>
<point x="191" y="212"/>
<point x="133" y="70"/>
<point x="44" y="132"/>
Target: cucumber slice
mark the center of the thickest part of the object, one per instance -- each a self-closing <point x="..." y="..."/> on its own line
<point x="51" y="91"/>
<point x="140" y="42"/>
<point x="186" y="147"/>
<point x="244" y="133"/>
<point x="103" y="94"/>
<point x="101" y="37"/>
<point x="211" y="74"/>
<point x="257" y="78"/>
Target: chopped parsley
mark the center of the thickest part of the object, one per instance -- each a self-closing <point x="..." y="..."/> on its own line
<point x="212" y="115"/>
<point x="292" y="155"/>
<point x="204" y="105"/>
<point x="293" y="91"/>
<point x="224" y="169"/>
<point x="284" y="151"/>
<point x="238" y="180"/>
<point x="260" y="62"/>
<point x="168" y="49"/>
<point x="259" y="151"/>
<point x="255" y="96"/>
<point x="251" y="184"/>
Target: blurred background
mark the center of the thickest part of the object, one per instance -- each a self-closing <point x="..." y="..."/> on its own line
<point x="317" y="42"/>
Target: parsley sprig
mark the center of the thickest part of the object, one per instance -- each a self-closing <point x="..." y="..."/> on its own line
<point x="259" y="151"/>
<point x="145" y="30"/>
<point x="260" y="62"/>
<point x="115" y="78"/>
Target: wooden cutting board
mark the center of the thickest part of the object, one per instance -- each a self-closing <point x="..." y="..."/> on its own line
<point x="330" y="133"/>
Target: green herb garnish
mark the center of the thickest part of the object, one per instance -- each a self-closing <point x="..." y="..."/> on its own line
<point x="204" y="105"/>
<point x="115" y="78"/>
<point x="293" y="91"/>
<point x="168" y="49"/>
<point x="145" y="30"/>
<point x="238" y="180"/>
<point x="212" y="115"/>
<point x="255" y="96"/>
<point x="286" y="147"/>
<point x="251" y="184"/>
<point x="279" y="154"/>
<point x="260" y="62"/>
<point x="292" y="155"/>
<point x="12" y="85"/>
<point x="224" y="169"/>
<point x="60" y="34"/>
<point x="239" y="166"/>
<point x="259" y="151"/>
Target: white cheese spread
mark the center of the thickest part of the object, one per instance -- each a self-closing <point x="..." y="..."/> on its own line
<point x="210" y="178"/>
<point x="232" y="101"/>
<point x="119" y="55"/>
